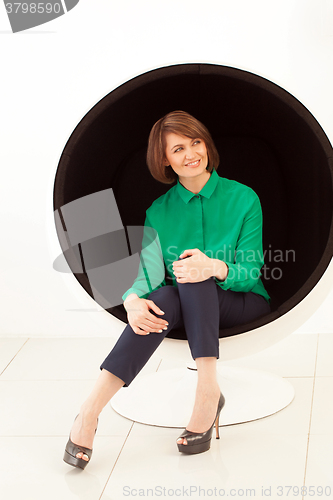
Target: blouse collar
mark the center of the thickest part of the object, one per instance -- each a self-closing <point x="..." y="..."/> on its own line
<point x="206" y="191"/>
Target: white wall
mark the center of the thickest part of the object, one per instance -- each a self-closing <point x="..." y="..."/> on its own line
<point x="53" y="74"/>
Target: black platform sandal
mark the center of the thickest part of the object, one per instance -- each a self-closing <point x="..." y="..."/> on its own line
<point x="198" y="442"/>
<point x="73" y="449"/>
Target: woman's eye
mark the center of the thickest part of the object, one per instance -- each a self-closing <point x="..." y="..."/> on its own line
<point x="197" y="142"/>
<point x="177" y="150"/>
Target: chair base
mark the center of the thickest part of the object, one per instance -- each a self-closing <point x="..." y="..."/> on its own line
<point x="166" y="398"/>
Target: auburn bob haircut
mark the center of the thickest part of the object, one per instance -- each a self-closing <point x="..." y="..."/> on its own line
<point x="181" y="123"/>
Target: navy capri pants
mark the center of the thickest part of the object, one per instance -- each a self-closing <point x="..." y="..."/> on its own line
<point x="202" y="308"/>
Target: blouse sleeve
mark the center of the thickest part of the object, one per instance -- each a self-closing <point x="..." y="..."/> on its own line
<point x="151" y="273"/>
<point x="244" y="271"/>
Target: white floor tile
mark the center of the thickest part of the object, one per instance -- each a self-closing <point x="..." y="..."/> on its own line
<point x="325" y="356"/>
<point x="240" y="461"/>
<point x="292" y="420"/>
<point x="294" y="356"/>
<point x="320" y="463"/>
<point x="41" y="391"/>
<point x="48" y="408"/>
<point x="64" y="359"/>
<point x="33" y="469"/>
<point x="171" y="363"/>
<point x="153" y="430"/>
<point x="9" y="347"/>
<point x="59" y="359"/>
<point x="322" y="412"/>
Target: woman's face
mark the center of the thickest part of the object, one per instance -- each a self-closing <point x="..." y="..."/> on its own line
<point x="187" y="157"/>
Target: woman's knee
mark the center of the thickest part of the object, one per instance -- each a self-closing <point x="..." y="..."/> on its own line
<point x="166" y="292"/>
<point x="167" y="299"/>
<point x="255" y="306"/>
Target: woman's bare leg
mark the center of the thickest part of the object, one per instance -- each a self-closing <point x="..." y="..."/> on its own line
<point x="83" y="430"/>
<point x="206" y="398"/>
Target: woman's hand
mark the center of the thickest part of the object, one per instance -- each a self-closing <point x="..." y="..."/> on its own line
<point x="141" y="319"/>
<point x="197" y="267"/>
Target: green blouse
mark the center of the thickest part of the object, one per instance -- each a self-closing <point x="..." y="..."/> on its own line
<point x="224" y="221"/>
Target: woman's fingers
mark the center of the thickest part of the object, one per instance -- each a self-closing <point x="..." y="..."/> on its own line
<point x="140" y="332"/>
<point x="154" y="307"/>
<point x="139" y="328"/>
<point x="151" y="326"/>
<point x="155" y="326"/>
<point x="137" y="331"/>
<point x="180" y="270"/>
<point x="188" y="252"/>
<point x="145" y="329"/>
<point x="143" y="321"/>
<point x="157" y="322"/>
<point x="148" y="326"/>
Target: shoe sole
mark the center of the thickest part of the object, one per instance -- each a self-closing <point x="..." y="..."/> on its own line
<point x="195" y="448"/>
<point x="75" y="461"/>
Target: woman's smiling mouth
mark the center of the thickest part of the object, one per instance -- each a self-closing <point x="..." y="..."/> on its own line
<point x="193" y="163"/>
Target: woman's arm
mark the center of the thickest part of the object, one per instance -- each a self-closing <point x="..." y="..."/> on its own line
<point x="151" y="276"/>
<point x="195" y="266"/>
<point x="244" y="272"/>
<point x="140" y="318"/>
<point x="220" y="269"/>
<point x="151" y="273"/>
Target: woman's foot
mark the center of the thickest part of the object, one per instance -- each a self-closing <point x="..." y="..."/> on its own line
<point x="204" y="411"/>
<point x="83" y="432"/>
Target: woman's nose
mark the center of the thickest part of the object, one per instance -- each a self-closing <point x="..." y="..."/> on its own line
<point x="189" y="153"/>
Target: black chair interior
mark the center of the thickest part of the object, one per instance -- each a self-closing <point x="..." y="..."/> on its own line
<point x="266" y="139"/>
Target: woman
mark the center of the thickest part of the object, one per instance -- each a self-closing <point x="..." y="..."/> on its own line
<point x="210" y="237"/>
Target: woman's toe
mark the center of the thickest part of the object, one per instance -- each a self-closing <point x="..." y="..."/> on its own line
<point x="82" y="455"/>
<point x="181" y="441"/>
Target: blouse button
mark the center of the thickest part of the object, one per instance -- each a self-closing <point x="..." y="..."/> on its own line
<point x="197" y="196"/>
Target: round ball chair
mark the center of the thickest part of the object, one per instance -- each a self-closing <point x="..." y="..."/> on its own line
<point x="266" y="140"/>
